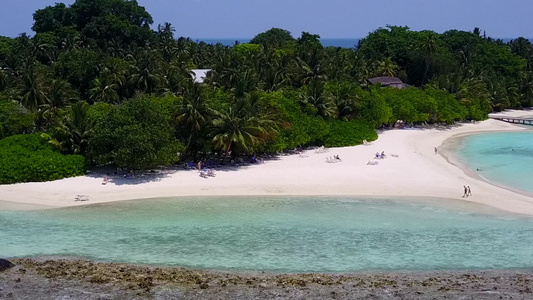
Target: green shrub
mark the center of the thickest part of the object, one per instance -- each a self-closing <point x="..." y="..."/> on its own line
<point x="136" y="134"/>
<point x="342" y="133"/>
<point x="449" y="109"/>
<point x="297" y="128"/>
<point x="30" y="158"/>
<point x="478" y="109"/>
<point x="14" y="119"/>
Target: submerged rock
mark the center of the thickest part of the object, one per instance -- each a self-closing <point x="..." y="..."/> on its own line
<point x="5" y="264"/>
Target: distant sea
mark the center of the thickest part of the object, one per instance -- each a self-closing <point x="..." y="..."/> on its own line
<point x="343" y="43"/>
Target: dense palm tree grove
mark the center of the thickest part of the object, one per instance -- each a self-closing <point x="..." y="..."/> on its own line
<point x="97" y="81"/>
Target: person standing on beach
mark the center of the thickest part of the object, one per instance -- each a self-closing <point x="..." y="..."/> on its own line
<point x="436" y="151"/>
<point x="469" y="192"/>
<point x="466" y="191"/>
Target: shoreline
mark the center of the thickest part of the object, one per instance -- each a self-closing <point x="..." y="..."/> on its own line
<point x="74" y="278"/>
<point x="415" y="172"/>
<point x="453" y="159"/>
<point x="448" y="204"/>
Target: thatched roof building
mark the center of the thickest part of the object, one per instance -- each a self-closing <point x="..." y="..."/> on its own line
<point x="199" y="75"/>
<point x="387" y="81"/>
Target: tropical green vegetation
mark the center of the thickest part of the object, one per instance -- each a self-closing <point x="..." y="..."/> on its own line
<point x="30" y="157"/>
<point x="100" y="83"/>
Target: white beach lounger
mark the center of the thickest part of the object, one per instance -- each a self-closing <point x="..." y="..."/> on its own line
<point x="81" y="198"/>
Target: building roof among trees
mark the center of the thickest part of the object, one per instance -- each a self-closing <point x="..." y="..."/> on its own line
<point x="387" y="81"/>
<point x="200" y="75"/>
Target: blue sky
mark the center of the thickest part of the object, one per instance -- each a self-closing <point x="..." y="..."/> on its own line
<point x="329" y="18"/>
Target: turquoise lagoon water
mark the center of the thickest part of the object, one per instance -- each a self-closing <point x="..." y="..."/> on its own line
<point x="503" y="158"/>
<point x="283" y="234"/>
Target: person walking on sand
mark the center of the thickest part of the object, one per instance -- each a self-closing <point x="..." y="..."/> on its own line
<point x="436" y="151"/>
<point x="199" y="165"/>
<point x="465" y="194"/>
<point x="469" y="191"/>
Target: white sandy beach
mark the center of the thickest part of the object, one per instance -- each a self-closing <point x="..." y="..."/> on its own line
<point x="417" y="172"/>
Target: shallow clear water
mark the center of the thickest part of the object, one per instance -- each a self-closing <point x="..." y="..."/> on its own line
<point x="288" y="234"/>
<point x="504" y="158"/>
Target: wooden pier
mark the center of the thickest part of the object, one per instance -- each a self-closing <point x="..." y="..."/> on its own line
<point x="514" y="120"/>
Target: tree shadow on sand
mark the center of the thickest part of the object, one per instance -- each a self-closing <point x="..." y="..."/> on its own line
<point x="436" y="126"/>
<point x="120" y="177"/>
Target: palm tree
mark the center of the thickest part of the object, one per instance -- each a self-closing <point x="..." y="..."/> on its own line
<point x="114" y="73"/>
<point x="166" y="31"/>
<point x="59" y="96"/>
<point x="498" y="95"/>
<point x="387" y="67"/>
<point x="181" y="49"/>
<point x="521" y="47"/>
<point x="343" y="98"/>
<point x="115" y="48"/>
<point x="360" y="70"/>
<point x="272" y="70"/>
<point x="145" y="77"/>
<point x="104" y="91"/>
<point x="167" y="44"/>
<point x="176" y="78"/>
<point x="71" y="42"/>
<point x="312" y="66"/>
<point x="225" y="70"/>
<point x="237" y="128"/>
<point x="194" y="112"/>
<point x="513" y="94"/>
<point x="75" y="129"/>
<point x="4" y="80"/>
<point x="428" y="46"/>
<point x="477" y="31"/>
<point x="41" y="50"/>
<point x="245" y="81"/>
<point x="24" y="45"/>
<point x="449" y="82"/>
<point x="316" y="95"/>
<point x="32" y="94"/>
<point x="527" y="88"/>
<point x="341" y="63"/>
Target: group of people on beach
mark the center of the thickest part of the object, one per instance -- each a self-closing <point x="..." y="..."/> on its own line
<point x="206" y="172"/>
<point x="127" y="173"/>
<point x="467" y="191"/>
<point x="380" y="155"/>
<point x="333" y="159"/>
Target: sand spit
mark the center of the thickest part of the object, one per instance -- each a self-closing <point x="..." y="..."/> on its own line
<point x="411" y="169"/>
<point x="77" y="279"/>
